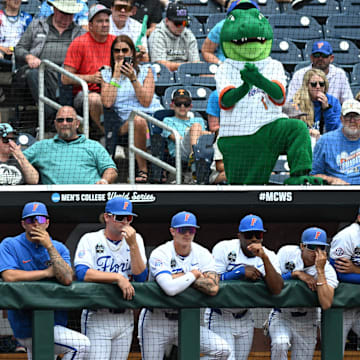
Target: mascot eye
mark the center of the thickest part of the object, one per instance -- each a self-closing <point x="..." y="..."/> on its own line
<point x="261" y="16"/>
<point x="231" y="17"/>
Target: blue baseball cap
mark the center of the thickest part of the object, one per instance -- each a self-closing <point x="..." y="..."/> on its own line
<point x="242" y="4"/>
<point x="251" y="223"/>
<point x="322" y="47"/>
<point x="119" y="206"/>
<point x="183" y="219"/>
<point x="5" y="129"/>
<point x="314" y="236"/>
<point x="33" y="209"/>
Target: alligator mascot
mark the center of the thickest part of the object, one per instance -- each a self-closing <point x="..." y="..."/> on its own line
<point x="251" y="86"/>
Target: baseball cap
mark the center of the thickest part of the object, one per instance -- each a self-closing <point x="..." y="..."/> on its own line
<point x="350" y="106"/>
<point x="251" y="223"/>
<point x="5" y="129"/>
<point x="67" y="6"/>
<point x="177" y="12"/>
<point x="242" y="4"/>
<point x="183" y="219"/>
<point x="33" y="209"/>
<point x="322" y="47"/>
<point x="314" y="236"/>
<point x="119" y="206"/>
<point x="292" y="110"/>
<point x="96" y="9"/>
<point x="181" y="93"/>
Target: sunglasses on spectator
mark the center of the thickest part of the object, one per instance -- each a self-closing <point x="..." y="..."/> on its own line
<point x="352" y="117"/>
<point x="120" y="7"/>
<point x="180" y="23"/>
<point x="185" y="103"/>
<point x="61" y="120"/>
<point x="123" y="50"/>
<point x="6" y="140"/>
<point x="39" y="218"/>
<point x="313" y="247"/>
<point x="318" y="55"/>
<point x="250" y="234"/>
<point x="315" y="83"/>
<point x="183" y="230"/>
<point x="122" y="218"/>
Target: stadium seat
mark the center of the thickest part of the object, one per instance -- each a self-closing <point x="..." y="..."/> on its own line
<point x="25" y="140"/>
<point x="203" y="154"/>
<point x="343" y="26"/>
<point x="212" y="20"/>
<point x="280" y="172"/>
<point x="202" y="9"/>
<point x="350" y="7"/>
<point x="32" y="7"/>
<point x="199" y="94"/>
<point x="200" y="42"/>
<point x="269" y="7"/>
<point x="196" y="27"/>
<point x="301" y="65"/>
<point x="295" y="27"/>
<point x="345" y="51"/>
<point x="286" y="52"/>
<point x="355" y="75"/>
<point x="355" y="88"/>
<point x="190" y="74"/>
<point x="164" y="79"/>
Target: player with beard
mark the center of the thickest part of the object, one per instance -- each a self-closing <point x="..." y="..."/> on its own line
<point x="336" y="156"/>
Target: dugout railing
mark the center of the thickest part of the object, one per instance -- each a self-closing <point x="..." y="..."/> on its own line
<point x="46" y="296"/>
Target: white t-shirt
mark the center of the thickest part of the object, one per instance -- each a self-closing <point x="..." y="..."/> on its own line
<point x="255" y="109"/>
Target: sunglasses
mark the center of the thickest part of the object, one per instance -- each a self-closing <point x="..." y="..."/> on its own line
<point x="123" y="50"/>
<point x="122" y="218"/>
<point x="39" y="218"/>
<point x="185" y="103"/>
<point x="312" y="247"/>
<point x="120" y="7"/>
<point x="315" y="83"/>
<point x="6" y="140"/>
<point x="180" y="23"/>
<point x="250" y="234"/>
<point x="320" y="55"/>
<point x="348" y="118"/>
<point x="183" y="230"/>
<point x="61" y="120"/>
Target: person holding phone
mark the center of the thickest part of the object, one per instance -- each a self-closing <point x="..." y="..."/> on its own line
<point x="127" y="86"/>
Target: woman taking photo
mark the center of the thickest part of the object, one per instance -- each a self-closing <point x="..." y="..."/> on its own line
<point x="127" y="86"/>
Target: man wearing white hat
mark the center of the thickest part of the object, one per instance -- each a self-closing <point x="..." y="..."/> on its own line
<point x="48" y="39"/>
<point x="336" y="157"/>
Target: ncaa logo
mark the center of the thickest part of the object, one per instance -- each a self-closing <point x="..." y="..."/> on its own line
<point x="339" y="252"/>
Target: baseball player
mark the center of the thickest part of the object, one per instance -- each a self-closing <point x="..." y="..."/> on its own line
<point x="243" y="258"/>
<point x="175" y="266"/>
<point x="32" y="256"/>
<point x="297" y="327"/>
<point x="345" y="257"/>
<point x="115" y="254"/>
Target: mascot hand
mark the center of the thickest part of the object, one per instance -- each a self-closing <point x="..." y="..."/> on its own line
<point x="250" y="74"/>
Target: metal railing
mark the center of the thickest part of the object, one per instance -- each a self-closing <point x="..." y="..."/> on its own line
<point x="45" y="100"/>
<point x="177" y="170"/>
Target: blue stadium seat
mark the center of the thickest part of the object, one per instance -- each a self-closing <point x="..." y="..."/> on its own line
<point x="280" y="172"/>
<point x="269" y="7"/>
<point x="196" y="27"/>
<point x="32" y="7"/>
<point x="286" y="52"/>
<point x="301" y="65"/>
<point x="343" y="26"/>
<point x="350" y="7"/>
<point x="212" y="20"/>
<point x="355" y="88"/>
<point x="202" y="9"/>
<point x="25" y="140"/>
<point x="295" y="27"/>
<point x="203" y="154"/>
<point x="165" y="78"/>
<point x="199" y="94"/>
<point x="200" y="42"/>
<point x="355" y="75"/>
<point x="190" y="74"/>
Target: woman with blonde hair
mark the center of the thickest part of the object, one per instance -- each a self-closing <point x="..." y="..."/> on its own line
<point x="322" y="109"/>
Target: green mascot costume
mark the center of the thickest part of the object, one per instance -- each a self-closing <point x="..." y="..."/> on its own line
<point x="251" y="86"/>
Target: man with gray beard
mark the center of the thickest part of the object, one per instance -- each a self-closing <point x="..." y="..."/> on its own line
<point x="336" y="157"/>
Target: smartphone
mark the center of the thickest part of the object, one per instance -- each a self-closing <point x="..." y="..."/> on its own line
<point x="128" y="60"/>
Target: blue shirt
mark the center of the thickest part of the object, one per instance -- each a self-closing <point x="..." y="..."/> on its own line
<point x="214" y="36"/>
<point x="181" y="126"/>
<point x="213" y="107"/>
<point x="331" y="116"/>
<point x="335" y="155"/>
<point x="18" y="253"/>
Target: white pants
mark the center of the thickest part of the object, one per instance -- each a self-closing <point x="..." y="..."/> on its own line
<point x="157" y="332"/>
<point x="72" y="344"/>
<point x="351" y="321"/>
<point x="299" y="333"/>
<point x="237" y="332"/>
<point x="110" y="334"/>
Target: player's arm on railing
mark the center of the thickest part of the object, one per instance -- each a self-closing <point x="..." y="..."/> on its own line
<point x="208" y="283"/>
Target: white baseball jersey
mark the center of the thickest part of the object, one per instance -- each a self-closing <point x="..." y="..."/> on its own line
<point x="97" y="252"/>
<point x="255" y="109"/>
<point x="346" y="244"/>
<point x="228" y="254"/>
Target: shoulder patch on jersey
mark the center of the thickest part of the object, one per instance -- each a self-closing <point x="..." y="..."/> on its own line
<point x="99" y="248"/>
<point x="81" y="253"/>
<point x="290" y="266"/>
<point x="158" y="263"/>
<point x="339" y="251"/>
<point x="173" y="263"/>
<point x="232" y="256"/>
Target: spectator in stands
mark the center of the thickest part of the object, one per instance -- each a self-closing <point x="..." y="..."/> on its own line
<point x="213" y="111"/>
<point x="15" y="169"/>
<point x="323" y="110"/>
<point x="172" y="43"/>
<point x="86" y="56"/>
<point x="69" y="158"/>
<point x="122" y="24"/>
<point x="33" y="256"/>
<point x="110" y="330"/>
<point x="189" y="128"/>
<point x="127" y="86"/>
<point x="336" y="156"/>
<point x="322" y="58"/>
<point x="80" y="18"/>
<point x="177" y="265"/>
<point x="47" y="39"/>
<point x="13" y="23"/>
<point x="151" y="8"/>
<point x="217" y="175"/>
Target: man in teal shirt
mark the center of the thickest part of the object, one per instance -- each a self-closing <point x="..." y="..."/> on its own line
<point x="70" y="158"/>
